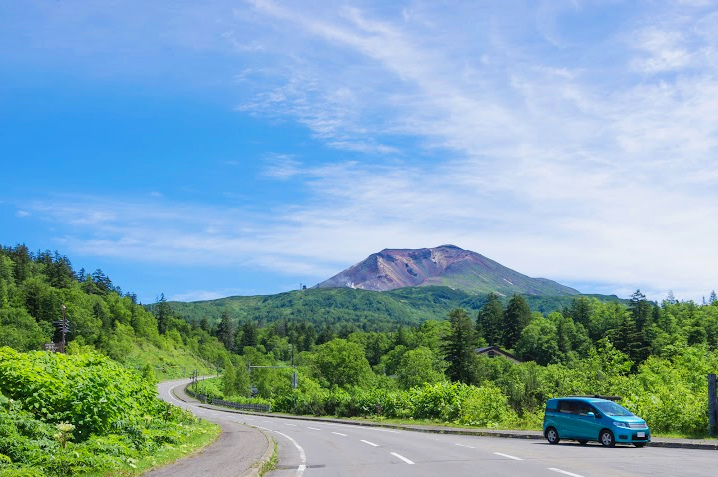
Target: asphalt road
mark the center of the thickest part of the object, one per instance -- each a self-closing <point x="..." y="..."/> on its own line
<point x="233" y="454"/>
<point x="309" y="448"/>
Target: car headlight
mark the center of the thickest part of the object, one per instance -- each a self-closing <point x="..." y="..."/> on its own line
<point x="621" y="424"/>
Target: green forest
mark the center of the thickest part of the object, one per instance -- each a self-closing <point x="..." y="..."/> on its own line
<point x="410" y="354"/>
<point x="94" y="409"/>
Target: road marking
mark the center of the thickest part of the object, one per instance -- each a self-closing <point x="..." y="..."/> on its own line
<point x="370" y="443"/>
<point x="339" y="434"/>
<point x="302" y="455"/>
<point x="462" y="445"/>
<point x="287" y="424"/>
<point x="314" y="428"/>
<point x="382" y="430"/>
<point x="511" y="457"/>
<point x="564" y="472"/>
<point x="402" y="458"/>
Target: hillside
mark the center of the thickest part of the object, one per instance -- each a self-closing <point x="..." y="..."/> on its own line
<point x="35" y="286"/>
<point x="446" y="265"/>
<point x="371" y="310"/>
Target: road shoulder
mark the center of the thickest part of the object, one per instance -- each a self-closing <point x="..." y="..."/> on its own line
<point x="241" y="450"/>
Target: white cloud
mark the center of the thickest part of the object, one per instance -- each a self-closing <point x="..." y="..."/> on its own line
<point x="664" y="51"/>
<point x="203" y="295"/>
<point x="282" y="166"/>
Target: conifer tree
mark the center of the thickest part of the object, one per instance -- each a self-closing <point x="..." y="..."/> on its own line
<point x="226" y="331"/>
<point x="249" y="335"/>
<point x="163" y="313"/>
<point x="489" y="323"/>
<point x="459" y="346"/>
<point x="516" y="317"/>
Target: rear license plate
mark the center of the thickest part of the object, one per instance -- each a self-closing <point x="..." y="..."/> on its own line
<point x="640" y="434"/>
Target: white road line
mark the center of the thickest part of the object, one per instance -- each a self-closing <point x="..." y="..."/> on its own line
<point x="509" y="456"/>
<point x="564" y="472"/>
<point x="287" y="424"/>
<point x="370" y="443"/>
<point x="314" y="428"/>
<point x="382" y="430"/>
<point x="302" y="455"/>
<point x="402" y="458"/>
<point x="339" y="434"/>
<point x="462" y="445"/>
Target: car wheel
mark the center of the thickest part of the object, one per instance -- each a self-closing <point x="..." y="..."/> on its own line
<point x="583" y="442"/>
<point x="552" y="435"/>
<point x="606" y="438"/>
<point x="639" y="444"/>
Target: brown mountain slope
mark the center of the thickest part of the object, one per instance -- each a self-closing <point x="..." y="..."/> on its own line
<point x="446" y="265"/>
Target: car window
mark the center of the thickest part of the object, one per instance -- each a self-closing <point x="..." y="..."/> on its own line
<point x="569" y="407"/>
<point x="613" y="409"/>
<point x="584" y="408"/>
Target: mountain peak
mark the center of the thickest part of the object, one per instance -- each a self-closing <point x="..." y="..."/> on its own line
<point x="445" y="265"/>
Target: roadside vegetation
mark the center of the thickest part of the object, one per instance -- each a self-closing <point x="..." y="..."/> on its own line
<point x="64" y="415"/>
<point x="656" y="357"/>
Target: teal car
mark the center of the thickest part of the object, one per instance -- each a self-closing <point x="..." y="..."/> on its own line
<point x="593" y="419"/>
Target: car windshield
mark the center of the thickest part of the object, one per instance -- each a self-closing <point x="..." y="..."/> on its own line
<point x="612" y="409"/>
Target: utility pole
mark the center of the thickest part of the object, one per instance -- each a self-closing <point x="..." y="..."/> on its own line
<point x="64" y="327"/>
<point x="712" y="405"/>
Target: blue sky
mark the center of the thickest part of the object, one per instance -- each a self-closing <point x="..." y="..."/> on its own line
<point x="217" y="148"/>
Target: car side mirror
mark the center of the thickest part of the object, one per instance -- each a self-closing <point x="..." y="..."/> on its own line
<point x="591" y="414"/>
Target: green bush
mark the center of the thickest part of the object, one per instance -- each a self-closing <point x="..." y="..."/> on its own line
<point x="89" y="391"/>
<point x="71" y="415"/>
<point x="485" y="407"/>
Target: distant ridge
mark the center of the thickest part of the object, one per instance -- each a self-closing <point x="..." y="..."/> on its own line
<point x="446" y="265"/>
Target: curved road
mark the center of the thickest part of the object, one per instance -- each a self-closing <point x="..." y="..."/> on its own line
<point x="239" y="447"/>
<point x="309" y="448"/>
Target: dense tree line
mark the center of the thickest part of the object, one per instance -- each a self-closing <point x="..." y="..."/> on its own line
<point x="34" y="287"/>
<point x="641" y="350"/>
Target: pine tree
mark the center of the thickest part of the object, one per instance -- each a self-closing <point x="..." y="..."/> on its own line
<point x="628" y="339"/>
<point x="516" y="317"/>
<point x="641" y="310"/>
<point x="163" y="312"/>
<point x="489" y="322"/>
<point x="459" y="346"/>
<point x="249" y="335"/>
<point x="580" y="311"/>
<point x="226" y="331"/>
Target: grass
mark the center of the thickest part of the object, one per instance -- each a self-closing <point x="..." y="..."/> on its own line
<point x="206" y="433"/>
<point x="271" y="464"/>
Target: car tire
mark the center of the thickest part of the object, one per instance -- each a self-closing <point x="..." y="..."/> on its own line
<point x="583" y="442"/>
<point x="639" y="444"/>
<point x="606" y="438"/>
<point x="552" y="435"/>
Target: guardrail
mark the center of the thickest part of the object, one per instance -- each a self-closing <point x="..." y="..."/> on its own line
<point x="233" y="405"/>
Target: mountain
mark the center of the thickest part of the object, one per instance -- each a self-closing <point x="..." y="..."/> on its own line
<point x="447" y="265"/>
